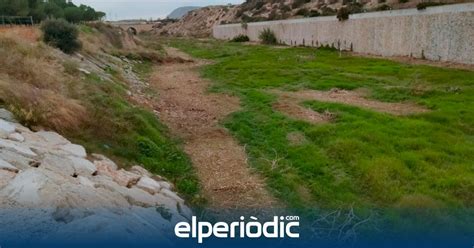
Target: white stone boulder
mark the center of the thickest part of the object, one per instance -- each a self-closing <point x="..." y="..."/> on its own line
<point x="19" y="161"/>
<point x="22" y="129"/>
<point x="58" y="164"/>
<point x="32" y="188"/>
<point x="85" y="181"/>
<point x="6" y="115"/>
<point x="4" y="165"/>
<point x="16" y="137"/>
<point x="104" y="168"/>
<point x="6" y="128"/>
<point x="74" y="195"/>
<point x="44" y="171"/>
<point x="140" y="171"/>
<point x="134" y="196"/>
<point x="82" y="166"/>
<point x="172" y="195"/>
<point x="35" y="142"/>
<point x="125" y="178"/>
<point x="52" y="138"/>
<point x="17" y="147"/>
<point x="6" y="177"/>
<point x="122" y="177"/>
<point x="104" y="162"/>
<point x="165" y="185"/>
<point x="149" y="185"/>
<point x="76" y="150"/>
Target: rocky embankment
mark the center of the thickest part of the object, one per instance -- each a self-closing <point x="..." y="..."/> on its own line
<point x="50" y="187"/>
<point x="199" y="23"/>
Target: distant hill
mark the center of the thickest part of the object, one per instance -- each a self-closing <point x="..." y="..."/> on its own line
<point x="180" y="12"/>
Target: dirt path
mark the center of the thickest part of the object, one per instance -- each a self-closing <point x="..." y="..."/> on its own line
<point x="193" y="114"/>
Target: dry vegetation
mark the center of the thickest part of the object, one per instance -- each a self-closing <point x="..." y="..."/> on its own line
<point x="40" y="84"/>
<point x="34" y="87"/>
<point x="90" y="97"/>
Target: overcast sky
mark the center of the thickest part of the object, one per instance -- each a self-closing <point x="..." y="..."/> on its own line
<point x="134" y="9"/>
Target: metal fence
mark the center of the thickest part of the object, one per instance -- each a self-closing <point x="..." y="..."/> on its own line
<point x="16" y="20"/>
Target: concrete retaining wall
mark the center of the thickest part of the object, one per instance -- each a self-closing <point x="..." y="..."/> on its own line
<point x="444" y="33"/>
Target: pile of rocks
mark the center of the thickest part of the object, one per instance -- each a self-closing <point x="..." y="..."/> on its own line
<point x="53" y="187"/>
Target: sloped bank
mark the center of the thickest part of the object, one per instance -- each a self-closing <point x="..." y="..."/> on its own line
<point x="51" y="188"/>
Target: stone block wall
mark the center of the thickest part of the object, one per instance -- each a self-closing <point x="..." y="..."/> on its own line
<point x="442" y="33"/>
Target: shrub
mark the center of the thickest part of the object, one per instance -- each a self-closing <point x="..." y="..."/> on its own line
<point x="240" y="38"/>
<point x="302" y="12"/>
<point x="383" y="7"/>
<point x="314" y="13"/>
<point x="326" y="11"/>
<point x="285" y="8"/>
<point x="298" y="3"/>
<point x="259" y="5"/>
<point x="425" y="5"/>
<point x="267" y="36"/>
<point x="62" y="35"/>
<point x="403" y="1"/>
<point x="343" y="14"/>
<point x="355" y="8"/>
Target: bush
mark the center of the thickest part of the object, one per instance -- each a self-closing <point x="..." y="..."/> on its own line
<point x="314" y="13"/>
<point x="343" y="14"/>
<point x="259" y="5"/>
<point x="425" y="5"/>
<point x="302" y="12"/>
<point x="326" y="11"/>
<point x="267" y="36"/>
<point x="403" y="1"/>
<point x="285" y="8"/>
<point x="298" y="3"/>
<point x="355" y="8"/>
<point x="62" y="35"/>
<point x="383" y="8"/>
<point x="240" y="38"/>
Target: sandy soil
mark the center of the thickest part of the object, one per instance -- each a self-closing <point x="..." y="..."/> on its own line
<point x="289" y="103"/>
<point x="193" y="114"/>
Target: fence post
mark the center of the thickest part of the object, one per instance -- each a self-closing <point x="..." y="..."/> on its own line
<point x="31" y="19"/>
<point x="3" y="20"/>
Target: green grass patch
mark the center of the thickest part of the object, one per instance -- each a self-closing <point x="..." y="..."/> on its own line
<point x="362" y="158"/>
<point x="143" y="69"/>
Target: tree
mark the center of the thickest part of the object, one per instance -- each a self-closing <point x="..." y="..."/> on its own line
<point x="14" y="7"/>
<point x="38" y="13"/>
<point x="41" y="10"/>
<point x="73" y="14"/>
<point x="51" y="10"/>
